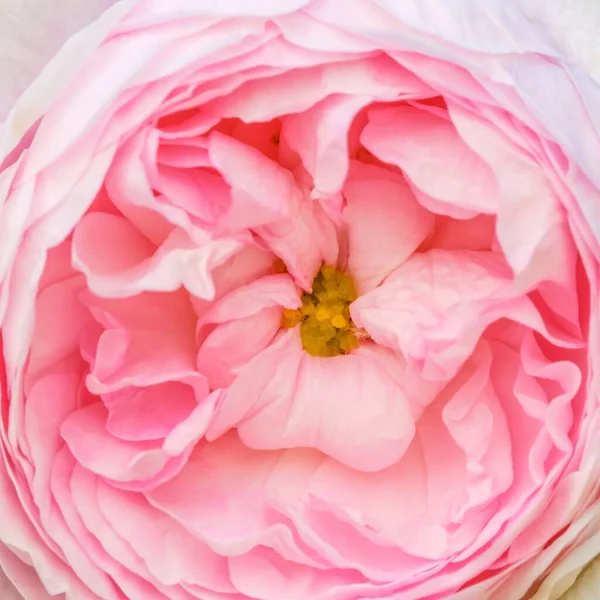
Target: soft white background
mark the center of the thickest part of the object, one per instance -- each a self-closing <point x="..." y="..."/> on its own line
<point x="31" y="31"/>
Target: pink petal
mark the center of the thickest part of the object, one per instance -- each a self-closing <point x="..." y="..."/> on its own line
<point x="385" y="509"/>
<point x="231" y="345"/>
<point x="476" y="421"/>
<point x="145" y="339"/>
<point x="385" y="223"/>
<point x="109" y="550"/>
<point x="262" y="573"/>
<point x="433" y="156"/>
<point x="530" y="226"/>
<point x="250" y="263"/>
<point x="60" y="322"/>
<point x="127" y="464"/>
<point x="187" y="433"/>
<point x="271" y="291"/>
<point x="320" y="136"/>
<point x="218" y="495"/>
<point x="222" y="497"/>
<point x="118" y="261"/>
<point x="183" y="153"/>
<point x="261" y="191"/>
<point x="305" y="31"/>
<point x="435" y="302"/>
<point x="43" y="91"/>
<point x="297" y="90"/>
<point x="477" y="233"/>
<point x="263" y="136"/>
<point x="247" y="320"/>
<point x="171" y="553"/>
<point x="448" y="78"/>
<point x="49" y="402"/>
<point x="129" y="187"/>
<point x="304" y="241"/>
<point x="151" y="413"/>
<point x="277" y="402"/>
<point x="200" y="193"/>
<point x="18" y="580"/>
<point x="91" y="444"/>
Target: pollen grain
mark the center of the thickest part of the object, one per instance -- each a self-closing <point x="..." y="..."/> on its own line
<point x="324" y="318"/>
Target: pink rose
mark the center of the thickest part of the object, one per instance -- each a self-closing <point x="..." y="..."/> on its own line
<point x="299" y="301"/>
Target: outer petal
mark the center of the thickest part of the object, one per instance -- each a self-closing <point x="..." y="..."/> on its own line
<point x="54" y="24"/>
<point x="50" y="26"/>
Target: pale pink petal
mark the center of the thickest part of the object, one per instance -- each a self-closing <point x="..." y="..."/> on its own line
<point x="531" y="228"/>
<point x="91" y="444"/>
<point x="437" y="302"/>
<point x="286" y="398"/>
<point x="475" y="419"/>
<point x="305" y="31"/>
<point x="49" y="402"/>
<point x="130" y="190"/>
<point x="296" y="91"/>
<point x="262" y="573"/>
<point x="320" y="136"/>
<point x="64" y="65"/>
<point x="237" y="8"/>
<point x="18" y="580"/>
<point x="128" y="570"/>
<point x="117" y="558"/>
<point x="433" y="156"/>
<point x="304" y="241"/>
<point x="247" y="319"/>
<point x="249" y="264"/>
<point x="18" y="532"/>
<point x="271" y="291"/>
<point x="448" y="78"/>
<point x="187" y="433"/>
<point x="219" y="496"/>
<point x="261" y="191"/>
<point x="15" y="207"/>
<point x="386" y="509"/>
<point x="385" y="223"/>
<point x="170" y="553"/>
<point x="438" y="207"/>
<point x="133" y="465"/>
<point x="342" y="519"/>
<point x="147" y="338"/>
<point x="130" y="263"/>
<point x="231" y="345"/>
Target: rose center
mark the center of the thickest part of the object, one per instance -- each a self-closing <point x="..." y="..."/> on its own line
<point x="325" y="325"/>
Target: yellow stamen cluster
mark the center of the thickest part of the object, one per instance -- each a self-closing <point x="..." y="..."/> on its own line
<point x="325" y="325"/>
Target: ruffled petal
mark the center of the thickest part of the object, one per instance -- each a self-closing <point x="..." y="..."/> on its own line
<point x="286" y="398"/>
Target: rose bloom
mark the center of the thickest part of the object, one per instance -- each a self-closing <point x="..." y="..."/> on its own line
<point x="299" y="301"/>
